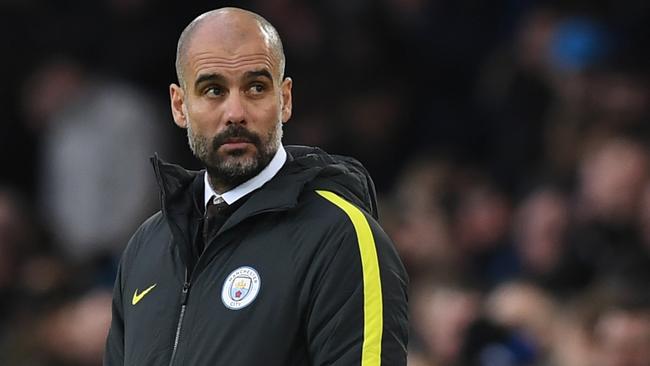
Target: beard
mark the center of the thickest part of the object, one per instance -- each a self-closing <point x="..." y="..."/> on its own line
<point x="230" y="169"/>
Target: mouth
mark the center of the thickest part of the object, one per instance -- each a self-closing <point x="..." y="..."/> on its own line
<point x="235" y="143"/>
<point x="237" y="140"/>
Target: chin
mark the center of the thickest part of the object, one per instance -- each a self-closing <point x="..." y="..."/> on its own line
<point x="237" y="153"/>
<point x="242" y="162"/>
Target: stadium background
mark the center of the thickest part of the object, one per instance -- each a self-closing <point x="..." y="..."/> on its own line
<point x="508" y="141"/>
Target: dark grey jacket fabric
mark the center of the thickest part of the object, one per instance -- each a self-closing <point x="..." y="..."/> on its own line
<point x="319" y="281"/>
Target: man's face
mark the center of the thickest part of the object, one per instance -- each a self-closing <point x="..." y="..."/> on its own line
<point x="233" y="102"/>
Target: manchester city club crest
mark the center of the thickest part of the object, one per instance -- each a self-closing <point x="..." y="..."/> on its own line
<point x="240" y="288"/>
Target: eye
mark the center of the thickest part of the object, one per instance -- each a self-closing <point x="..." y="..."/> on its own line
<point x="257" y="89"/>
<point x="213" y="91"/>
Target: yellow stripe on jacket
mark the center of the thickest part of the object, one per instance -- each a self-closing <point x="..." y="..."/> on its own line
<point x="372" y="298"/>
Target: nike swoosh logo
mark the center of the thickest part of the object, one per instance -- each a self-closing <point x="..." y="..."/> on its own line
<point x="138" y="296"/>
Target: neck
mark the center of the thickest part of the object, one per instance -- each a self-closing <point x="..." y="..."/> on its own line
<point x="220" y="186"/>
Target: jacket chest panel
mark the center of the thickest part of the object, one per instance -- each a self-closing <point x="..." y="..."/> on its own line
<point x="250" y="277"/>
<point x="246" y="294"/>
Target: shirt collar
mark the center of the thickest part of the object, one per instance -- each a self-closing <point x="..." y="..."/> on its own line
<point x="250" y="185"/>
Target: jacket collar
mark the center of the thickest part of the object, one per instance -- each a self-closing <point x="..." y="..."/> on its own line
<point x="304" y="166"/>
<point x="280" y="193"/>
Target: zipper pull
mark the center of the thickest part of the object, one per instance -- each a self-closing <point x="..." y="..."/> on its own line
<point x="185" y="292"/>
<point x="186" y="288"/>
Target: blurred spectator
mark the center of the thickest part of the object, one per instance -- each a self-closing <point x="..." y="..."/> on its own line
<point x="572" y="342"/>
<point x="608" y="325"/>
<point x="515" y="92"/>
<point x="441" y="316"/>
<point x="74" y="333"/>
<point x="540" y="234"/>
<point x="97" y="134"/>
<point x="612" y="177"/>
<point x="481" y="228"/>
<point x="622" y="337"/>
<point x="17" y="237"/>
<point x="68" y="331"/>
<point x="17" y="240"/>
<point x="28" y="275"/>
<point x="488" y="344"/>
<point x="418" y="221"/>
<point x="527" y="311"/>
<point x="605" y="239"/>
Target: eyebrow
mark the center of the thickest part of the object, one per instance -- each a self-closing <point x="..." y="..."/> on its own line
<point x="208" y="77"/>
<point x="258" y="73"/>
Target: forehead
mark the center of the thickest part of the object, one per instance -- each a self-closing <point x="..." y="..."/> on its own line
<point x="229" y="47"/>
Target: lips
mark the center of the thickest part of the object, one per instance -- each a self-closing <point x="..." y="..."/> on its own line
<point x="233" y="144"/>
<point x="236" y="140"/>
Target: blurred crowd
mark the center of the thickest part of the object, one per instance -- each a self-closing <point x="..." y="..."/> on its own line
<point x="509" y="142"/>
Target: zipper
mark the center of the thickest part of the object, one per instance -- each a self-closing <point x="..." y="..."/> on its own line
<point x="184" y="294"/>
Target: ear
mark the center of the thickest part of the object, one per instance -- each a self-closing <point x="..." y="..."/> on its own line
<point x="287" y="83"/>
<point x="177" y="98"/>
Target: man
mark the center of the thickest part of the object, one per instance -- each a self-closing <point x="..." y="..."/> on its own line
<point x="270" y="256"/>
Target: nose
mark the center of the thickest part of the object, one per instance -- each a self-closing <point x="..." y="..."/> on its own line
<point x="234" y="109"/>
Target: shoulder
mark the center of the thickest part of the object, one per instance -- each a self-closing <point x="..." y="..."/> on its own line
<point x="325" y="210"/>
<point x="151" y="226"/>
<point x="345" y="222"/>
<point x="335" y="209"/>
<point x="153" y="229"/>
<point x="332" y="215"/>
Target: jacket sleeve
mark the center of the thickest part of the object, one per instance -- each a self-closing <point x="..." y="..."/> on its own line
<point x="358" y="302"/>
<point x="114" y="352"/>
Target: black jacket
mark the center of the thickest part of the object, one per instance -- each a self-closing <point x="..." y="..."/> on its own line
<point x="300" y="274"/>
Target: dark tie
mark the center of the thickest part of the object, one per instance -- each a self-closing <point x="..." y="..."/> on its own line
<point x="216" y="213"/>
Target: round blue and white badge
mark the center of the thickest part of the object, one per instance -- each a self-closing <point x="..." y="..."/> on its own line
<point x="240" y="288"/>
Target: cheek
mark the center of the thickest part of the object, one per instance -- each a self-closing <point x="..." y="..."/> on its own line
<point x="204" y="116"/>
<point x="265" y="113"/>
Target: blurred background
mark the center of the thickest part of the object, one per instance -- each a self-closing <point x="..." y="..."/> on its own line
<point x="508" y="141"/>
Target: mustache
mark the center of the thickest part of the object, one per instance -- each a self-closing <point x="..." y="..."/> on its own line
<point x="236" y="131"/>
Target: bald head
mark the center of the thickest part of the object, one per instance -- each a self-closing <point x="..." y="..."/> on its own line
<point x="231" y="25"/>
